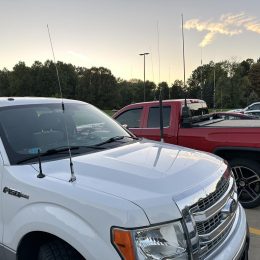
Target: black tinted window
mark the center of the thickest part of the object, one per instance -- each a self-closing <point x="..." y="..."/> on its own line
<point x="131" y="118"/>
<point x="154" y="117"/>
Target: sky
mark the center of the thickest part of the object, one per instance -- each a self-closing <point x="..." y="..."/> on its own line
<point x="112" y="34"/>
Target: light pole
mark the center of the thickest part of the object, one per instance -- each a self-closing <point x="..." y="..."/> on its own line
<point x="144" y="54"/>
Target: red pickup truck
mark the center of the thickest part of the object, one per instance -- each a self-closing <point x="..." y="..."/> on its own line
<point x="190" y="125"/>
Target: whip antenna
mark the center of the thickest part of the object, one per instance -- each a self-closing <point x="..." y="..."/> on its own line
<point x="185" y="110"/>
<point x="57" y="72"/>
<point x="158" y="50"/>
<point x="183" y="59"/>
<point x="160" y="87"/>
<point x="73" y="177"/>
<point x="183" y="54"/>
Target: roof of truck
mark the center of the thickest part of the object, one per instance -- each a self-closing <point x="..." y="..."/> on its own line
<point x="15" y="101"/>
<point x="189" y="100"/>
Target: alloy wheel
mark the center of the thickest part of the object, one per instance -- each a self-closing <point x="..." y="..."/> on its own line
<point x="248" y="183"/>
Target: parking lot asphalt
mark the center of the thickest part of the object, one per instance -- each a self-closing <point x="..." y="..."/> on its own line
<point x="253" y="218"/>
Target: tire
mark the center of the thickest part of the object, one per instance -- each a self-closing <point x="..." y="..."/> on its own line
<point x="247" y="176"/>
<point x="58" y="250"/>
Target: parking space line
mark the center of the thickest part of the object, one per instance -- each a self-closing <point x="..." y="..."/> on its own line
<point x="254" y="231"/>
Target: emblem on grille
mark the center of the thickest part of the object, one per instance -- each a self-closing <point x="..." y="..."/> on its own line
<point x="233" y="206"/>
<point x="229" y="208"/>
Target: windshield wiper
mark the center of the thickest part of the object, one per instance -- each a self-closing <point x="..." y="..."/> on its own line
<point x="57" y="151"/>
<point x="117" y="138"/>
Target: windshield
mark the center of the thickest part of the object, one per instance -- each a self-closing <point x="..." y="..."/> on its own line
<point x="29" y="129"/>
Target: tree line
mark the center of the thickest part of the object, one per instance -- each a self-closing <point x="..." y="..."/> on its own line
<point x="222" y="85"/>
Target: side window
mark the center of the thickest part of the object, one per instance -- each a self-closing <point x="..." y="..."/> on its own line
<point x="154" y="117"/>
<point x="254" y="107"/>
<point x="131" y="118"/>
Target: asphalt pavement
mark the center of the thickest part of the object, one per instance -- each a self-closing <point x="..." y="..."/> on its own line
<point x="253" y="218"/>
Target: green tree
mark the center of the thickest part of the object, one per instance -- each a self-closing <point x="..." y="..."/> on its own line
<point x="254" y="77"/>
<point x="98" y="86"/>
<point x="68" y="79"/>
<point x="20" y="80"/>
<point x="201" y="83"/>
<point x="177" y="90"/>
<point x="45" y="79"/>
<point x="109" y="91"/>
<point x="4" y="83"/>
<point x="234" y="84"/>
<point x="126" y="93"/>
<point x="164" y="89"/>
<point x="83" y="91"/>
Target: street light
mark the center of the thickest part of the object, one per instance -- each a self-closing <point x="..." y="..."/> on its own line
<point x="144" y="54"/>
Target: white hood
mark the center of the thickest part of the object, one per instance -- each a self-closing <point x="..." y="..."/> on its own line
<point x="149" y="174"/>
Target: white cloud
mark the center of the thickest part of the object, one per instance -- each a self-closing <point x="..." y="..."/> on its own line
<point x="253" y="27"/>
<point x="228" y="24"/>
<point x="208" y="39"/>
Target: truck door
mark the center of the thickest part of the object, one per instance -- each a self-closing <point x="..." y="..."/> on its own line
<point x="152" y="123"/>
<point x="1" y="199"/>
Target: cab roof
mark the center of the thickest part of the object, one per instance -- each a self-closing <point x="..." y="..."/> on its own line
<point x="15" y="101"/>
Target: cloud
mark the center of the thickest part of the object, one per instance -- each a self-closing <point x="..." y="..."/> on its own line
<point x="236" y="19"/>
<point x="208" y="39"/>
<point x="228" y="24"/>
<point x="253" y="27"/>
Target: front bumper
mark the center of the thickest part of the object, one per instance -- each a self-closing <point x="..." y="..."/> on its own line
<point x="243" y="254"/>
<point x="236" y="245"/>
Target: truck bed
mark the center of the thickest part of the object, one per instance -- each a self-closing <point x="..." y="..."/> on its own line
<point x="228" y="123"/>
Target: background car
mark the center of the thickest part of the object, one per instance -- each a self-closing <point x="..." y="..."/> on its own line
<point x="255" y="113"/>
<point x="254" y="106"/>
<point x="232" y="116"/>
<point x="237" y="110"/>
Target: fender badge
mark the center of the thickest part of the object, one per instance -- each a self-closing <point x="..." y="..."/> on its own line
<point x="15" y="193"/>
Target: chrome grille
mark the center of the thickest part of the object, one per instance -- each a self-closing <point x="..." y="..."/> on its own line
<point x="205" y="203"/>
<point x="210" y="224"/>
<point x="211" y="245"/>
<point x="209" y="213"/>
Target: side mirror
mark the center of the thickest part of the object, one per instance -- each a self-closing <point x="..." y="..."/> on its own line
<point x="186" y="117"/>
<point x="125" y="126"/>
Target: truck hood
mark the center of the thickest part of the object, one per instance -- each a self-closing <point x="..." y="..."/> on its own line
<point x="146" y="173"/>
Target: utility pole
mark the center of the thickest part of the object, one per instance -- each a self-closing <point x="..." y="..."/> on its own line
<point x="144" y="54"/>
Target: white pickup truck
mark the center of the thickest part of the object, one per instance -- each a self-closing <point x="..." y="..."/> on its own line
<point x="115" y="197"/>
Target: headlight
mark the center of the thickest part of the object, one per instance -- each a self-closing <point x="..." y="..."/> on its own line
<point x="229" y="173"/>
<point x="160" y="242"/>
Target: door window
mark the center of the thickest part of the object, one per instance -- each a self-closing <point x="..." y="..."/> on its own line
<point x="131" y="118"/>
<point x="154" y="117"/>
<point x="255" y="107"/>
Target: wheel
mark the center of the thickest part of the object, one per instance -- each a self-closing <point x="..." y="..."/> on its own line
<point x="58" y="250"/>
<point x="247" y="176"/>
